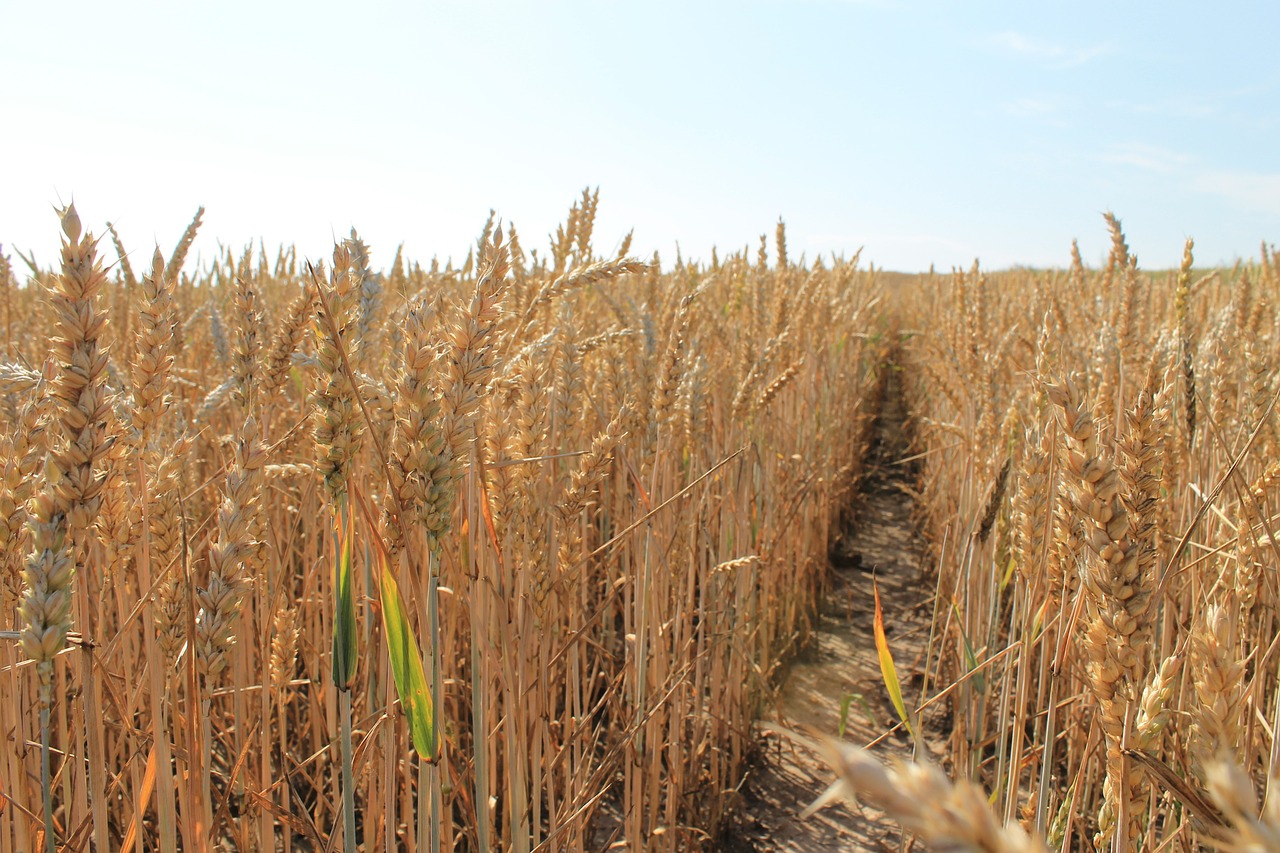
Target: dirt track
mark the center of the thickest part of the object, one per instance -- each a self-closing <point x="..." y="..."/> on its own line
<point x="841" y="661"/>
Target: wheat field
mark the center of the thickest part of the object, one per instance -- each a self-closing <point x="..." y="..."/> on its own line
<point x="599" y="488"/>
<point x="358" y="553"/>
<point x="1100" y="481"/>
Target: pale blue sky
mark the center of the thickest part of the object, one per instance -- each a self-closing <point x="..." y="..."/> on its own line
<point x="926" y="132"/>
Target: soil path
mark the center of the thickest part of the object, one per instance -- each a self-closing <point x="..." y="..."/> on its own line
<point x="841" y="662"/>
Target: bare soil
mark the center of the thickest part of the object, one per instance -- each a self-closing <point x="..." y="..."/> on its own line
<point x="882" y="541"/>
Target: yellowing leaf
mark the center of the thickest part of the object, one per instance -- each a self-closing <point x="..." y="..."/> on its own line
<point x="887" y="669"/>
<point x="1008" y="575"/>
<point x="1037" y="624"/>
<point x="406" y="664"/>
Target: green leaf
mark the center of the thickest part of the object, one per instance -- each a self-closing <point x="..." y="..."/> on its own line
<point x="406" y="665"/>
<point x="345" y="639"/>
<point x="970" y="658"/>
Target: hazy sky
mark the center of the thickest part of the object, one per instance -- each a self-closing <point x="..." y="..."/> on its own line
<point x="927" y="132"/>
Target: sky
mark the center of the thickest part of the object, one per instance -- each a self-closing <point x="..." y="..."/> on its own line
<point x="927" y="133"/>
